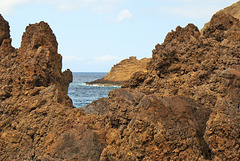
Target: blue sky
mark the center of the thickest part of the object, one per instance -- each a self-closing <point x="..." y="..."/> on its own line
<point x="93" y="35"/>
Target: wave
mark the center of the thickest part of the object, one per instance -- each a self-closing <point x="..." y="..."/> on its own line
<point x="92" y="85"/>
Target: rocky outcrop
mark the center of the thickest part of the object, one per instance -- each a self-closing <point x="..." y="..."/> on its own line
<point x="190" y="64"/>
<point x="4" y="30"/>
<point x="232" y="10"/>
<point x="222" y="130"/>
<point x="185" y="107"/>
<point x="123" y="71"/>
<point x="37" y="118"/>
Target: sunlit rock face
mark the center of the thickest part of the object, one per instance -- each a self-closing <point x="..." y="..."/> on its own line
<point x="184" y="107"/>
<point x="123" y="71"/>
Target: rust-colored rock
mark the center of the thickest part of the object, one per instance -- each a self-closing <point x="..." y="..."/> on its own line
<point x="123" y="71"/>
<point x="233" y="10"/>
<point x="185" y="107"/>
<point x="37" y="118"/>
<point x="222" y="131"/>
<point x="4" y="30"/>
<point x="151" y="128"/>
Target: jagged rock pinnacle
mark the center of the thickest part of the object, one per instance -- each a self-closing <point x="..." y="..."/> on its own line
<point x="4" y="29"/>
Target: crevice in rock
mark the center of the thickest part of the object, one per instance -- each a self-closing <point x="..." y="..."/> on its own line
<point x="206" y="151"/>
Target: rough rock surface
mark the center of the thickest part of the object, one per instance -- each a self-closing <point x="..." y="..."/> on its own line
<point x="4" y="29"/>
<point x="223" y="126"/>
<point x="232" y="10"/>
<point x="123" y="71"/>
<point x="37" y="118"/>
<point x="185" y="107"/>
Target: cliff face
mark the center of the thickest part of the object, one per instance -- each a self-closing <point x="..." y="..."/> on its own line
<point x="123" y="71"/>
<point x="185" y="107"/>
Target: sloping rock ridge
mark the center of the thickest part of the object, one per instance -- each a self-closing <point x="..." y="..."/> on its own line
<point x="123" y="71"/>
<point x="232" y="10"/>
<point x="185" y="107"/>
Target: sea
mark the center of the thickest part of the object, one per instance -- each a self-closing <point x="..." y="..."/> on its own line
<point x="83" y="94"/>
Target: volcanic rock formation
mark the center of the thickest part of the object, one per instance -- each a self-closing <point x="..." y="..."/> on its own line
<point x="37" y="118"/>
<point x="123" y="71"/>
<point x="185" y="107"/>
<point x="232" y="10"/>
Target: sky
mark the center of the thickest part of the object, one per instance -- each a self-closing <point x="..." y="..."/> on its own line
<point x="93" y="35"/>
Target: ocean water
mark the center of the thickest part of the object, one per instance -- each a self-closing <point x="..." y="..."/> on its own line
<point x="82" y="94"/>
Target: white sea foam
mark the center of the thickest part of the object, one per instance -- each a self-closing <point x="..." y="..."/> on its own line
<point x="100" y="85"/>
<point x="82" y="93"/>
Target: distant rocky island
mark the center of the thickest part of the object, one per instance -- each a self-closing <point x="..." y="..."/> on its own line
<point x="186" y="106"/>
<point x="123" y="71"/>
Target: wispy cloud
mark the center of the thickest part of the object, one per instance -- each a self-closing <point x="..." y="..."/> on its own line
<point x="124" y="15"/>
<point x="72" y="58"/>
<point x="107" y="58"/>
<point x="7" y="6"/>
<point x="99" y="6"/>
<point x="190" y="11"/>
<point x="199" y="9"/>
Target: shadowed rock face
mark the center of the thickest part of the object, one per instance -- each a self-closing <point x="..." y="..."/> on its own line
<point x="4" y="30"/>
<point x="185" y="107"/>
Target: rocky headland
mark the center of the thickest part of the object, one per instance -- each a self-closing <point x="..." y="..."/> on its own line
<point x="123" y="71"/>
<point x="185" y="107"/>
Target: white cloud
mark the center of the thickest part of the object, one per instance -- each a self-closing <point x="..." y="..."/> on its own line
<point x="67" y="7"/>
<point x="7" y="6"/>
<point x="205" y="1"/>
<point x="124" y="15"/>
<point x="191" y="11"/>
<point x="72" y="58"/>
<point x="107" y="58"/>
<point x="99" y="6"/>
<point x="199" y="9"/>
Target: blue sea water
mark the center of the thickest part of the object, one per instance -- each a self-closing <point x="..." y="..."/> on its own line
<point x="82" y="94"/>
